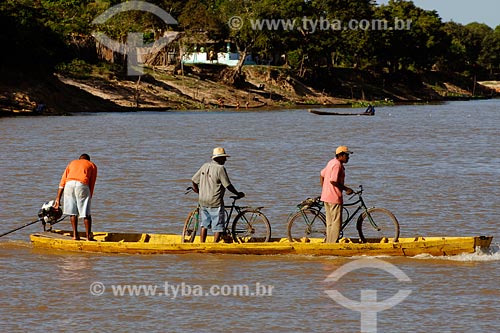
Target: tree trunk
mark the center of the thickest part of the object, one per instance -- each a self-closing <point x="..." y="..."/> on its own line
<point x="241" y="61"/>
<point x="234" y="76"/>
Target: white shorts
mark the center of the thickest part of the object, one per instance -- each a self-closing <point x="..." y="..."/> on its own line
<point x="76" y="199"/>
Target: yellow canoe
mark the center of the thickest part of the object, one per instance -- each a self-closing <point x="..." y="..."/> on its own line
<point x="145" y="243"/>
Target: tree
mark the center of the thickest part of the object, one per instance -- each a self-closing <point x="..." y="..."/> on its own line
<point x="347" y="37"/>
<point x="419" y="44"/>
<point x="470" y="45"/>
<point x="243" y="18"/>
<point x="476" y="33"/>
<point x="490" y="51"/>
<point x="199" y="22"/>
<point x="32" y="47"/>
<point x="455" y="57"/>
<point x="287" y="42"/>
<point x="71" y="17"/>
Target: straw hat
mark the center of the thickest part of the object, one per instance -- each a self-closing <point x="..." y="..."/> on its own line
<point x="342" y="149"/>
<point x="219" y="152"/>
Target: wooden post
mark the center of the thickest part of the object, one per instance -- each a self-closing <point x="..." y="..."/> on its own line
<point x="137" y="91"/>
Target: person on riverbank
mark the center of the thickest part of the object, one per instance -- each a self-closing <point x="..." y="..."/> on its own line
<point x="77" y="183"/>
<point x="211" y="182"/>
<point x="332" y="182"/>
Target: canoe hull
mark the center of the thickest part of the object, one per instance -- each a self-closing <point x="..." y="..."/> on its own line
<point x="327" y="113"/>
<point x="144" y="243"/>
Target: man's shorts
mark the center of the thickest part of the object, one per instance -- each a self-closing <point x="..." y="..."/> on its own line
<point x="212" y="218"/>
<point x="76" y="199"/>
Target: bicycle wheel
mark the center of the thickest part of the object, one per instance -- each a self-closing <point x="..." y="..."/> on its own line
<point x="251" y="226"/>
<point x="377" y="223"/>
<point x="191" y="226"/>
<point x="307" y="223"/>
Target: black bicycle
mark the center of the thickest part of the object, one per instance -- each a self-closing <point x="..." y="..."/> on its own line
<point x="373" y="224"/>
<point x="249" y="224"/>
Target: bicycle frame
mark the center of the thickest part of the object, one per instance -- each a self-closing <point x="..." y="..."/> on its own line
<point x="239" y="211"/>
<point x="318" y="206"/>
<point x="351" y="215"/>
<point x="310" y="210"/>
<point x="229" y="214"/>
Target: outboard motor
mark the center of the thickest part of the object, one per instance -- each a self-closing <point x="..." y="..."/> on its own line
<point x="49" y="215"/>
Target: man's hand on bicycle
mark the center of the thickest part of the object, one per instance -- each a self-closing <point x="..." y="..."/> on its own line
<point x="352" y="192"/>
<point x="238" y="195"/>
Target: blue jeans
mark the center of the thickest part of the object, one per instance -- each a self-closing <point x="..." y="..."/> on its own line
<point x="212" y="218"/>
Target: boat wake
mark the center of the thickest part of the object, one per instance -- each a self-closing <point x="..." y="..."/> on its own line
<point x="490" y="254"/>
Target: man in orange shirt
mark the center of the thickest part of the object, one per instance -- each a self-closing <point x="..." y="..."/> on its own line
<point x="77" y="183"/>
<point x="332" y="183"/>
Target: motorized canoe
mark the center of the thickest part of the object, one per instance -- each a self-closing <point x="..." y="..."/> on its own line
<point x="328" y="113"/>
<point x="145" y="243"/>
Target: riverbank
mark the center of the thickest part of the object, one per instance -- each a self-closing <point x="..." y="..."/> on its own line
<point x="200" y="88"/>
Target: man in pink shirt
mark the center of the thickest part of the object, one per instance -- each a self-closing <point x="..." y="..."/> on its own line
<point x="77" y="183"/>
<point x="332" y="182"/>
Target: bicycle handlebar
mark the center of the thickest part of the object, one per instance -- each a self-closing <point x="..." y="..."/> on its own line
<point x="234" y="197"/>
<point x="354" y="193"/>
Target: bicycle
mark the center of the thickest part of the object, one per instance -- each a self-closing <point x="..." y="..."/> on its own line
<point x="249" y="224"/>
<point x="372" y="223"/>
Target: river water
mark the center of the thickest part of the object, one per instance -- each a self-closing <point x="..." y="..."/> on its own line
<point x="437" y="167"/>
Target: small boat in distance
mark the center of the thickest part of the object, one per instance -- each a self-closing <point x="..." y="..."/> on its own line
<point x="370" y="111"/>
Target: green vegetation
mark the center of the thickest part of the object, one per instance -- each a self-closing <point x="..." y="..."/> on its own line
<point x="364" y="104"/>
<point x="41" y="25"/>
<point x="80" y="69"/>
<point x="342" y="49"/>
<point x="43" y="33"/>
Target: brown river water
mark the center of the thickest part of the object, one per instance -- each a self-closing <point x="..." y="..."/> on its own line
<point x="437" y="167"/>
